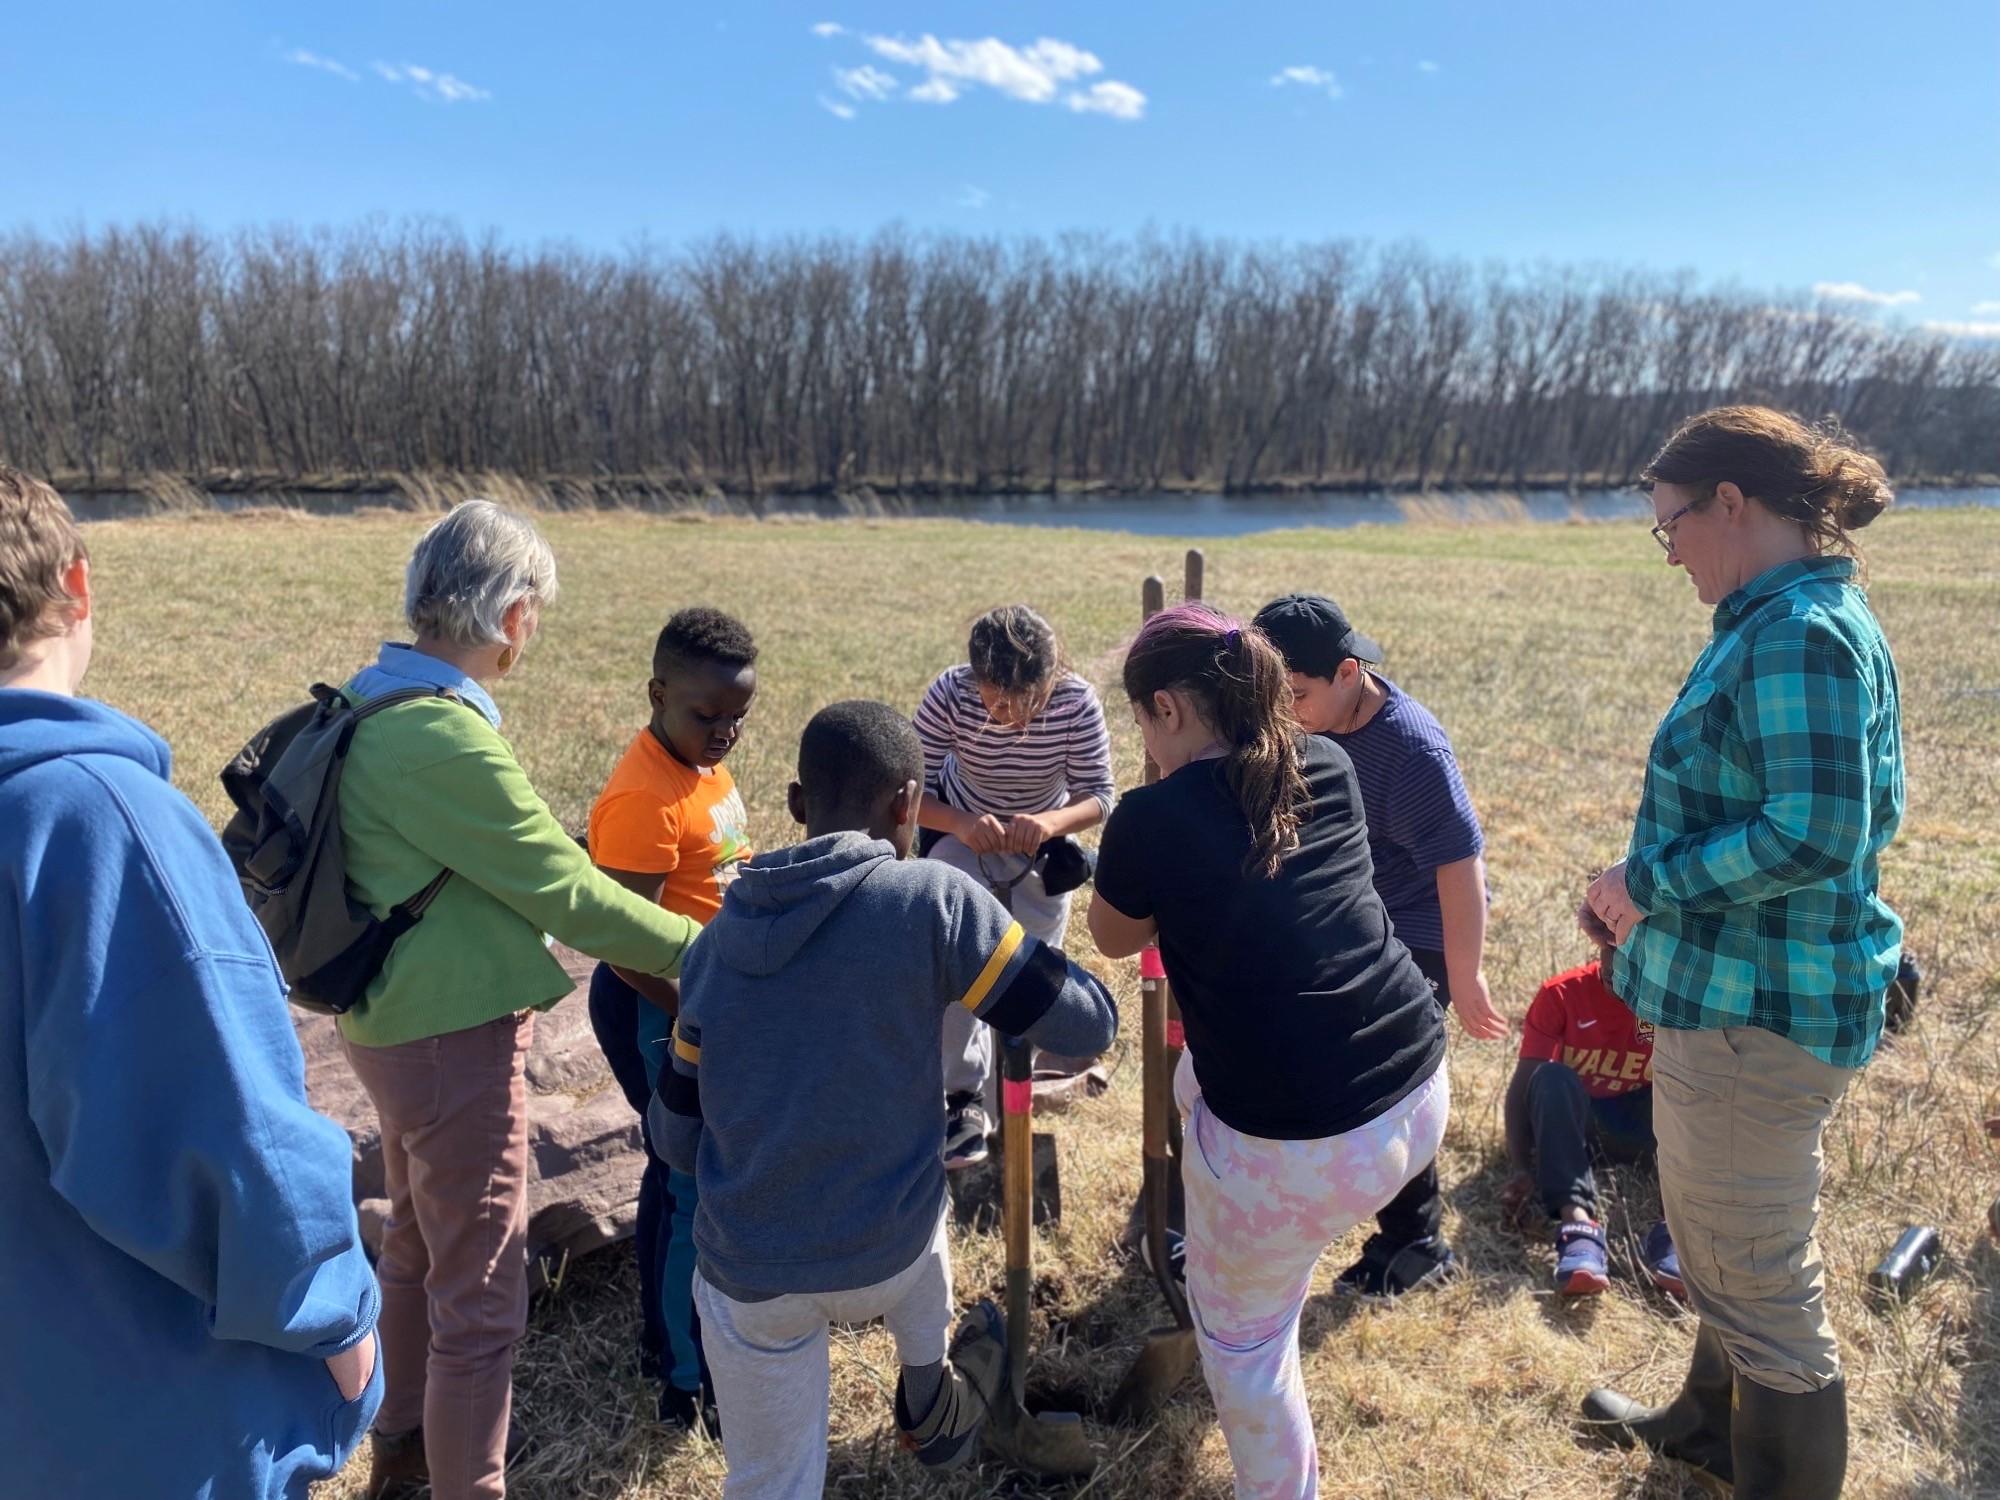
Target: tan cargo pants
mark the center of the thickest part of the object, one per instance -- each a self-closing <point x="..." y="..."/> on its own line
<point x="1739" y="1114"/>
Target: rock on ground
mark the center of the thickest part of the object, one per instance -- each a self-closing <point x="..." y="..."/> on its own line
<point x="583" y="1187"/>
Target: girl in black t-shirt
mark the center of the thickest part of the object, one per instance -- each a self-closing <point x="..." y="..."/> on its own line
<point x="1313" y="1084"/>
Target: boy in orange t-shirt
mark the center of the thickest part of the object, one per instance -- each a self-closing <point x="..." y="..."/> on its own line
<point x="670" y="826"/>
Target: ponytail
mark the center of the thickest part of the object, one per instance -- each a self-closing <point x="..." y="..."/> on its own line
<point x="1236" y="680"/>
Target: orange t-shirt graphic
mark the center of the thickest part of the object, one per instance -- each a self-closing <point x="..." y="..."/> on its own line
<point x="656" y="816"/>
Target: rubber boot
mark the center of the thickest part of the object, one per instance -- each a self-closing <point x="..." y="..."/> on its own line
<point x="1694" y="1427"/>
<point x="1790" y="1445"/>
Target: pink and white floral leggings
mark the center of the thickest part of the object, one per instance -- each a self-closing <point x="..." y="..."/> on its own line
<point x="1259" y="1214"/>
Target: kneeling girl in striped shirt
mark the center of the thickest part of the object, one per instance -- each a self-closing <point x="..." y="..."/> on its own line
<point x="1016" y="755"/>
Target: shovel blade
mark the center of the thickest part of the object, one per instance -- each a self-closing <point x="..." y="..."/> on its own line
<point x="1169" y="1354"/>
<point x="1052" y="1443"/>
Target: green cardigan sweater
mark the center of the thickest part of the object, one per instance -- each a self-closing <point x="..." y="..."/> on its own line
<point x="430" y="785"/>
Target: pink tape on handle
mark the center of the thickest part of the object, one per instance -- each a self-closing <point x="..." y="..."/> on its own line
<point x="1150" y="966"/>
<point x="1017" y="1096"/>
<point x="1176" y="1034"/>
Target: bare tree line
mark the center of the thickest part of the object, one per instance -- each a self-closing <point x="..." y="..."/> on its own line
<point x="911" y="362"/>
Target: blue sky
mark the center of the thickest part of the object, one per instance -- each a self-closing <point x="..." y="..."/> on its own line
<point x="1776" y="145"/>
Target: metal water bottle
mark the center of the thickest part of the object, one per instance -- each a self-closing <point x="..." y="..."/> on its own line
<point x="1902" y="999"/>
<point x="1908" y="1265"/>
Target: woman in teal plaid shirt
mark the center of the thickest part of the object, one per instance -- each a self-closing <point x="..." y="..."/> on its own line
<point x="1750" y="931"/>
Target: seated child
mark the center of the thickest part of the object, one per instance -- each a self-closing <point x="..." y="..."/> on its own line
<point x="802" y="1095"/>
<point x="670" y="826"/>
<point x="1016" y="755"/>
<point x="1584" y="1084"/>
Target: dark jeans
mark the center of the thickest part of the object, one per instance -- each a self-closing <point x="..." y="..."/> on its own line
<point x="668" y="1336"/>
<point x="1417" y="1212"/>
<point x="1570" y="1127"/>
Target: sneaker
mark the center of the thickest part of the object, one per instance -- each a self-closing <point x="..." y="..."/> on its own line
<point x="1662" y="1261"/>
<point x="691" y="1411"/>
<point x="1582" y="1266"/>
<point x="965" y="1131"/>
<point x="1385" y="1271"/>
<point x="944" y="1437"/>
<point x="1176" y="1254"/>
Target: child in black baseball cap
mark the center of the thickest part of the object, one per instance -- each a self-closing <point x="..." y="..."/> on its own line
<point x="1429" y="871"/>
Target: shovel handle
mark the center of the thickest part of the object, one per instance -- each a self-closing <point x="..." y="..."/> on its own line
<point x="1155" y="1084"/>
<point x="1160" y="1033"/>
<point x="1017" y="1199"/>
<point x="1158" y="1108"/>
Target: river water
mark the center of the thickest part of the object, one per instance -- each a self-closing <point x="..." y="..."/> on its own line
<point x="1166" y="514"/>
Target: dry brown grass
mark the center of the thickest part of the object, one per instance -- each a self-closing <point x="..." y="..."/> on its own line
<point x="1548" y="651"/>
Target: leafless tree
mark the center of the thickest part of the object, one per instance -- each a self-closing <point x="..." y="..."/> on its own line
<point x="914" y="362"/>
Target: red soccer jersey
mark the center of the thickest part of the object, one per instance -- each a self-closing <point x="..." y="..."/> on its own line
<point x="1576" y="1020"/>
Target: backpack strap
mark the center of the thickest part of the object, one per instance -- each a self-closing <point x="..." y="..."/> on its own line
<point x="369" y="707"/>
<point x="402" y="918"/>
<point x="407" y="914"/>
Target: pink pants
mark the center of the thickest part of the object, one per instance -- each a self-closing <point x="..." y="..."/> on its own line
<point x="1259" y="1214"/>
<point x="454" y="1267"/>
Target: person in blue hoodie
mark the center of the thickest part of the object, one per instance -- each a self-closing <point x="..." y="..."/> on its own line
<point x="185" y="1308"/>
<point x="803" y="1098"/>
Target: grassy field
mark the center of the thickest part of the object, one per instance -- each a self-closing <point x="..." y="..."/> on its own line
<point x="1548" y="651"/>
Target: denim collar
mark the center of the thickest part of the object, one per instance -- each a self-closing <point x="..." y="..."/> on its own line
<point x="408" y="666"/>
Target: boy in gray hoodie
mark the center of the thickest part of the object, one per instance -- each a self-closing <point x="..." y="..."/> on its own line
<point x="803" y="1097"/>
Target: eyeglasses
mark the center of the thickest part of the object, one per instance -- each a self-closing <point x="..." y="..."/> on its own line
<point x="1662" y="532"/>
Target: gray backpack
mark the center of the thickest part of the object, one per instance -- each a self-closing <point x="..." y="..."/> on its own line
<point x="285" y="843"/>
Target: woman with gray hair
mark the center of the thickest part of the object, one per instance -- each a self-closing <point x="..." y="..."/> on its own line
<point x="441" y="1039"/>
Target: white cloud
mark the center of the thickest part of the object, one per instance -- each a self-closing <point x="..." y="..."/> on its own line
<point x="835" y="108"/>
<point x="1119" y="100"/>
<point x="829" y="28"/>
<point x="1984" y="308"/>
<point x="306" y="59"/>
<point x="865" y="82"/>
<point x="1965" y="330"/>
<point x="973" y="197"/>
<point x="1031" y="74"/>
<point x="428" y="83"/>
<point x="1308" y="76"/>
<point x="1034" y="74"/>
<point x="1427" y="66"/>
<point x="1854" y="291"/>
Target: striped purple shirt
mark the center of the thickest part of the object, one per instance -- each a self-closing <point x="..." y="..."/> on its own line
<point x="978" y="766"/>
<point x="1419" y="815"/>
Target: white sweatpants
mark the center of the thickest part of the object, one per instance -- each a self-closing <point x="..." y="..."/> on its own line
<point x="769" y="1363"/>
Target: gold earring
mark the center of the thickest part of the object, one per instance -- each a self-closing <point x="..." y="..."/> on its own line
<point x="508" y="656"/>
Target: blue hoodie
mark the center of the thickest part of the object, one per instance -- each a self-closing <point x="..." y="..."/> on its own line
<point x="806" y="1090"/>
<point x="178" y="1253"/>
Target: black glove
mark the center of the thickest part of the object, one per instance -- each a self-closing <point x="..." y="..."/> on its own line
<point x="1064" y="864"/>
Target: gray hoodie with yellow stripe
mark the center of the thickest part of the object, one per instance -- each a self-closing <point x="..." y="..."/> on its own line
<point x="806" y="1090"/>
